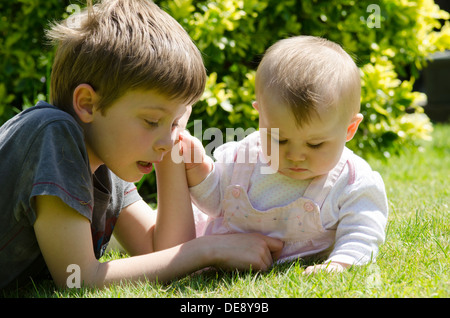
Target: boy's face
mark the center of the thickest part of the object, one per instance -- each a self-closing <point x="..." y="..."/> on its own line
<point x="304" y="152"/>
<point x="136" y="131"/>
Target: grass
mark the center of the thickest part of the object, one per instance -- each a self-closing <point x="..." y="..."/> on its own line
<point x="414" y="261"/>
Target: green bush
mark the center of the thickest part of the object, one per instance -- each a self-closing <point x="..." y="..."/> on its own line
<point x="390" y="41"/>
<point x="25" y="60"/>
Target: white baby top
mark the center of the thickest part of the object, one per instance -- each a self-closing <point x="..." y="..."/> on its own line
<point x="344" y="211"/>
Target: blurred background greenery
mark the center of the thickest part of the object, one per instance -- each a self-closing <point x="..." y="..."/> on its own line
<point x="391" y="41"/>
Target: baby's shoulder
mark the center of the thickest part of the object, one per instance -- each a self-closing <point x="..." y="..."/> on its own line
<point x="359" y="174"/>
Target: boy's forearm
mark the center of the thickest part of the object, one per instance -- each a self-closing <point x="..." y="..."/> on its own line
<point x="175" y="221"/>
<point x="229" y="252"/>
<point x="161" y="266"/>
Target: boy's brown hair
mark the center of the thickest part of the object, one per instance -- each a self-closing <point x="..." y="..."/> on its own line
<point x="305" y="72"/>
<point x="121" y="45"/>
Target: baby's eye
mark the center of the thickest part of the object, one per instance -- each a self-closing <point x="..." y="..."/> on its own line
<point x="280" y="142"/>
<point x="315" y="146"/>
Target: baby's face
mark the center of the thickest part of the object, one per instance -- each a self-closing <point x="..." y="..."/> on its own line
<point x="304" y="152"/>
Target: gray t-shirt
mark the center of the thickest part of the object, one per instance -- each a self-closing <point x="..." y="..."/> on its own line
<point x="42" y="152"/>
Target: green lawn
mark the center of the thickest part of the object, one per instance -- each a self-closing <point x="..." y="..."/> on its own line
<point x="414" y="261"/>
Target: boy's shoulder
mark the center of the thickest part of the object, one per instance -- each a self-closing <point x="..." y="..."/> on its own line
<point x="44" y="113"/>
<point x="35" y="118"/>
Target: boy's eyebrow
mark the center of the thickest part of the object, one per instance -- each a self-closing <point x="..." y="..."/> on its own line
<point x="156" y="107"/>
<point x="165" y="110"/>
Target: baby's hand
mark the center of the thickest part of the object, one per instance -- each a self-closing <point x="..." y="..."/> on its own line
<point x="192" y="150"/>
<point x="330" y="267"/>
<point x="197" y="164"/>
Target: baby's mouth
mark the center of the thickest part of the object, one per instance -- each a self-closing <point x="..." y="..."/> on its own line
<point x="297" y="169"/>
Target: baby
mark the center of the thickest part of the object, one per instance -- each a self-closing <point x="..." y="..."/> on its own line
<point x="303" y="185"/>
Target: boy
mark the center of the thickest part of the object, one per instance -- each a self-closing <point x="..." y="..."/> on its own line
<point x="319" y="198"/>
<point x="123" y="81"/>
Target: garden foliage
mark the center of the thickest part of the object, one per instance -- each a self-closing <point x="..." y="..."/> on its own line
<point x="389" y="39"/>
<point x="25" y="59"/>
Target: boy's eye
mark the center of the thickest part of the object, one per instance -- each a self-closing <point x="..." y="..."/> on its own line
<point x="152" y="124"/>
<point x="176" y="124"/>
<point x="315" y="146"/>
<point x="155" y="124"/>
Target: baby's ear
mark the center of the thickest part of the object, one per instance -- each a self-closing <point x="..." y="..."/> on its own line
<point x="84" y="100"/>
<point x="353" y="127"/>
<point x="255" y="105"/>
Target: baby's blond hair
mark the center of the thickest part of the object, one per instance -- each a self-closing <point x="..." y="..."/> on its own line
<point x="121" y="45"/>
<point x="306" y="72"/>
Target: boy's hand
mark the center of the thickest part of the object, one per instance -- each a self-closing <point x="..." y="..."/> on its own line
<point x="238" y="251"/>
<point x="334" y="267"/>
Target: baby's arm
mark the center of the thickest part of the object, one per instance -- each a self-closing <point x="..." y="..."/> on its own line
<point x="362" y="218"/>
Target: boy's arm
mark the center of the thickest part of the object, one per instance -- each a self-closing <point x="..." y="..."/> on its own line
<point x="65" y="238"/>
<point x="175" y="219"/>
<point x="135" y="227"/>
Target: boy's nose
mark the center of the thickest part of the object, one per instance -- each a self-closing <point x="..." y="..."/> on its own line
<point x="164" y="144"/>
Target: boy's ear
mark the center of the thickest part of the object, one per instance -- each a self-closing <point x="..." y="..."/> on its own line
<point x="84" y="101"/>
<point x="353" y="127"/>
<point x="255" y="105"/>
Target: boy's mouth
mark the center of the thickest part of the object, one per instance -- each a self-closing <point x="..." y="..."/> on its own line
<point x="145" y="167"/>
